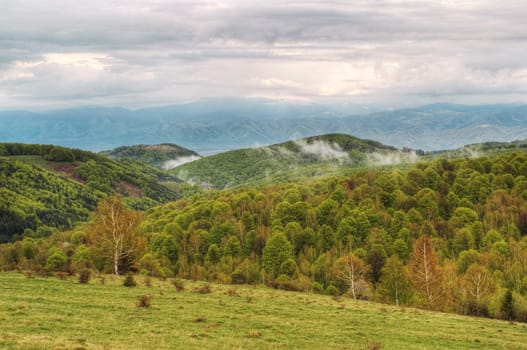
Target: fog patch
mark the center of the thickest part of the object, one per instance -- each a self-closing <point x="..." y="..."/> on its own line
<point x="392" y="158"/>
<point x="173" y="163"/>
<point x="472" y="152"/>
<point x="323" y="150"/>
<point x="282" y="152"/>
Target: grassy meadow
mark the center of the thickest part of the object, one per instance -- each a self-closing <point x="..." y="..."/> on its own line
<point x="52" y="313"/>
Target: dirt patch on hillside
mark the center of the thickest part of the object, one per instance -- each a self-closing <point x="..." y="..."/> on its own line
<point x="129" y="189"/>
<point x="66" y="170"/>
<point x="162" y="148"/>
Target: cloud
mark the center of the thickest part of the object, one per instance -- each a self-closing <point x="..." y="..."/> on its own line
<point x="391" y="158"/>
<point x="143" y="52"/>
<point x="323" y="150"/>
<point x="173" y="163"/>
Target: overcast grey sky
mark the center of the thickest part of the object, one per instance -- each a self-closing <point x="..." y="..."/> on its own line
<point x="136" y="53"/>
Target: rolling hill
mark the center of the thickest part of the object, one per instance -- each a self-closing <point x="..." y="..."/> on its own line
<point x="290" y="161"/>
<point x="163" y="156"/>
<point x="45" y="187"/>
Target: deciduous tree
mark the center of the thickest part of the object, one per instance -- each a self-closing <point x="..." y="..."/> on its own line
<point x="478" y="284"/>
<point x="425" y="273"/>
<point x="113" y="234"/>
<point x="350" y="269"/>
<point x="394" y="285"/>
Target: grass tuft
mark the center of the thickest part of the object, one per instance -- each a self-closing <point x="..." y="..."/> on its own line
<point x="144" y="301"/>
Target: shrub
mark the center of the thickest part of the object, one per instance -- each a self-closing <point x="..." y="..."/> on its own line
<point x="180" y="286"/>
<point x="61" y="275"/>
<point x="204" y="289"/>
<point x="144" y="301"/>
<point x="254" y="334"/>
<point x="375" y="346"/>
<point x="232" y="293"/>
<point x="332" y="290"/>
<point x="84" y="276"/>
<point x="148" y="282"/>
<point x="129" y="281"/>
<point x="318" y="288"/>
<point x="285" y="283"/>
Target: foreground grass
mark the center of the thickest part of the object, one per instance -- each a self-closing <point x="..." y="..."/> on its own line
<point x="62" y="314"/>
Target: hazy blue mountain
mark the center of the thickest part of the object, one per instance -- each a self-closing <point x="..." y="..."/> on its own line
<point x="211" y="126"/>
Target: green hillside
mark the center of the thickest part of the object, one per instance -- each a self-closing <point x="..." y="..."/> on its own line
<point x="462" y="222"/>
<point x="482" y="149"/>
<point x="48" y="187"/>
<point x="50" y="313"/>
<point x="290" y="161"/>
<point x="153" y="155"/>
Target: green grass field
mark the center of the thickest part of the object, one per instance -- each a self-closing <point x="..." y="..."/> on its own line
<point x="49" y="313"/>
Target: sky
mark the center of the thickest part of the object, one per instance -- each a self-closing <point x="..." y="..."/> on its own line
<point x="139" y="53"/>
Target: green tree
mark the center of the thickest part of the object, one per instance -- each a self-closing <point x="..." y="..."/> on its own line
<point x="394" y="285"/>
<point x="277" y="250"/>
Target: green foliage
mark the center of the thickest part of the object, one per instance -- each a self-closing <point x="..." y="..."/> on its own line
<point x="153" y="155"/>
<point x="276" y="251"/>
<point x="394" y="286"/>
<point x="84" y="276"/>
<point x="56" y="259"/>
<point x="129" y="281"/>
<point x="51" y="186"/>
<point x="288" y="161"/>
<point x="296" y="235"/>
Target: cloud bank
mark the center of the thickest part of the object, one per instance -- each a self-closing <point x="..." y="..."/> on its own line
<point x="137" y="53"/>
<point x="323" y="150"/>
<point x="173" y="163"/>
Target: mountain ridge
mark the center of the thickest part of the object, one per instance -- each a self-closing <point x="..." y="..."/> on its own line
<point x="212" y="126"/>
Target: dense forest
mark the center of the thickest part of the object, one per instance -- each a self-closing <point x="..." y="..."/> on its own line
<point x="448" y="234"/>
<point x="153" y="155"/>
<point x="291" y="161"/>
<point x="45" y="187"/>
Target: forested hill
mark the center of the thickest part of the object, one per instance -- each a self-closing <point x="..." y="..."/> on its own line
<point x="371" y="235"/>
<point x="163" y="156"/>
<point x="290" y="161"/>
<point x="46" y="187"/>
<point x="447" y="235"/>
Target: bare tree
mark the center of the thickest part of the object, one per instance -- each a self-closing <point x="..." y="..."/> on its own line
<point x="351" y="270"/>
<point x="478" y="284"/>
<point x="113" y="233"/>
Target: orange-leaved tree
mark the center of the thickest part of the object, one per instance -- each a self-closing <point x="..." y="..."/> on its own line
<point x="425" y="273"/>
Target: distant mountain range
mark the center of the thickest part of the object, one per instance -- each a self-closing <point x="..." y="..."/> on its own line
<point x="212" y="126"/>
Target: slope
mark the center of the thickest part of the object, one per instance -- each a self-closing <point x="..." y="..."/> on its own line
<point x="163" y="156"/>
<point x="290" y="161"/>
<point x="97" y="316"/>
<point x="45" y="187"/>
